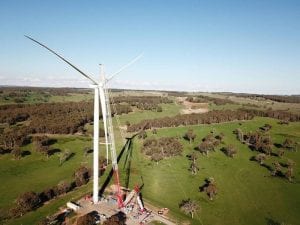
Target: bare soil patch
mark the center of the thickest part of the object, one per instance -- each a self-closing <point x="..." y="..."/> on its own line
<point x="192" y="107"/>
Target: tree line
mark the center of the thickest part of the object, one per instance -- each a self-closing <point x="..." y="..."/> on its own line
<point x="73" y="111"/>
<point x="215" y="116"/>
<point x="30" y="200"/>
<point x="204" y="99"/>
<point x="23" y="94"/>
<point x="144" y="102"/>
<point x="276" y="98"/>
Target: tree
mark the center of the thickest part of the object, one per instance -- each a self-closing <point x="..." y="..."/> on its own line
<point x="290" y="163"/>
<point x="37" y="144"/>
<point x="230" y="150"/>
<point x="211" y="189"/>
<point x="266" y="127"/>
<point x="3" y="214"/>
<point x="25" y="203"/>
<point x="289" y="144"/>
<point x="205" y="147"/>
<point x="277" y="168"/>
<point x="159" y="108"/>
<point x="190" y="136"/>
<point x="82" y="176"/>
<point x="266" y="145"/>
<point x="156" y="157"/>
<point x="45" y="150"/>
<point x="261" y="157"/>
<point x="44" y="221"/>
<point x="194" y="156"/>
<point x="142" y="135"/>
<point x="64" y="156"/>
<point x="86" y="151"/>
<point x="266" y="148"/>
<point x="47" y="194"/>
<point x="240" y="135"/>
<point x="189" y="207"/>
<point x="63" y="187"/>
<point x="289" y="174"/>
<point x="117" y="219"/>
<point x="16" y="152"/>
<point x="103" y="162"/>
<point x="87" y="219"/>
<point x="194" y="168"/>
<point x="220" y="137"/>
<point x="281" y="152"/>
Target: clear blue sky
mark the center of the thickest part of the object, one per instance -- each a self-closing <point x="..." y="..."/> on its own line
<point x="239" y="46"/>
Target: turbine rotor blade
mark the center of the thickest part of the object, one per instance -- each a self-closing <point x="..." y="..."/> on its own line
<point x="124" y="67"/>
<point x="62" y="58"/>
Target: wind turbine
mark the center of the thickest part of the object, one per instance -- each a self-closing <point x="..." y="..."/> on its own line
<point x="100" y="95"/>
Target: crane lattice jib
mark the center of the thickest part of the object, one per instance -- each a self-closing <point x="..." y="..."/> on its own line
<point x="111" y="140"/>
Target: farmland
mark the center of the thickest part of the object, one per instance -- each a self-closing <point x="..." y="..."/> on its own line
<point x="247" y="193"/>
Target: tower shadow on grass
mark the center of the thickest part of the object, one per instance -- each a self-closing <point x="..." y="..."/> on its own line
<point x="127" y="145"/>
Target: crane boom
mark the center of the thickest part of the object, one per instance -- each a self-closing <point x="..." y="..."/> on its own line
<point x="111" y="141"/>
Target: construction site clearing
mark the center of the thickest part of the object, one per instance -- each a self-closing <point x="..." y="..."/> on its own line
<point x="134" y="212"/>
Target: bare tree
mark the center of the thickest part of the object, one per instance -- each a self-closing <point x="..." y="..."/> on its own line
<point x="281" y="152"/>
<point x="240" y="135"/>
<point x="289" y="174"/>
<point x="290" y="163"/>
<point x="16" y="152"/>
<point x="194" y="156"/>
<point x="261" y="157"/>
<point x="289" y="144"/>
<point x="194" y="168"/>
<point x="65" y="156"/>
<point x="189" y="207"/>
<point x="277" y="168"/>
<point x="156" y="157"/>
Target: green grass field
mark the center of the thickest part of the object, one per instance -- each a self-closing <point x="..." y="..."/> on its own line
<point x="259" y="102"/>
<point x="35" y="172"/>
<point x="247" y="194"/>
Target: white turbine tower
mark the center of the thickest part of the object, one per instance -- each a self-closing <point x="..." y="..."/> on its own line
<point x="100" y="95"/>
